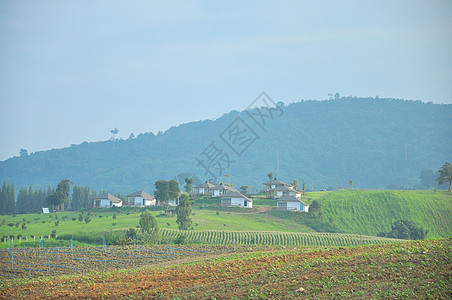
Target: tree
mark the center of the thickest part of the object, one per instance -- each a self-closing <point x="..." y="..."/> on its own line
<point x="61" y="195"/>
<point x="405" y="229"/>
<point x="161" y="192"/>
<point x="228" y="176"/>
<point x="315" y="208"/>
<point x="295" y="183"/>
<point x="183" y="212"/>
<point x="114" y="132"/>
<point x="150" y="225"/>
<point x="303" y="186"/>
<point x="270" y="183"/>
<point x="189" y="185"/>
<point x="427" y="178"/>
<point x="244" y="189"/>
<point x="445" y="175"/>
<point x="350" y="182"/>
<point x="173" y="189"/>
<point x="23" y="152"/>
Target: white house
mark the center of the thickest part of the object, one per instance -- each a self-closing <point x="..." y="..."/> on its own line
<point x="221" y="189"/>
<point x="141" y="198"/>
<point x="107" y="200"/>
<point x="235" y="198"/>
<point x="291" y="203"/>
<point x="203" y="188"/>
<point x="283" y="190"/>
<point x="274" y="184"/>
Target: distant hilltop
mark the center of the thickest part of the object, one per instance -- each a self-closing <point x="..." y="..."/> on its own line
<point x="376" y="143"/>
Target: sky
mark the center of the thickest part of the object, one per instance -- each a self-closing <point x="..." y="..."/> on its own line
<point x="71" y="71"/>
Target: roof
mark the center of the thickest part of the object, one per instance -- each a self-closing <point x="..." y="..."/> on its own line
<point x="287" y="198"/>
<point x="206" y="185"/>
<point x="108" y="196"/>
<point x="235" y="194"/>
<point x="285" y="188"/>
<point x="223" y="187"/>
<point x="276" y="182"/>
<point x="142" y="194"/>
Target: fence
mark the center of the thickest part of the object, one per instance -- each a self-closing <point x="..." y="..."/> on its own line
<point x="52" y="261"/>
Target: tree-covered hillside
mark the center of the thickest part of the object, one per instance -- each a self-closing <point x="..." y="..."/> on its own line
<point x="374" y="142"/>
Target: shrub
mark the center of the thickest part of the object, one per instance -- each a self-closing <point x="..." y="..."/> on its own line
<point x="17" y="224"/>
<point x="114" y="216"/>
<point x="80" y="217"/>
<point x="24" y="226"/>
<point x="180" y="240"/>
<point x="405" y="229"/>
<point x="53" y="235"/>
<point x="74" y="219"/>
<point x="87" y="219"/>
<point x="57" y="223"/>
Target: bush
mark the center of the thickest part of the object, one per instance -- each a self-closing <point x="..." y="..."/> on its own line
<point x="405" y="229"/>
<point x="80" y="217"/>
<point x="74" y="219"/>
<point x="53" y="235"/>
<point x="114" y="216"/>
<point x="180" y="240"/>
<point x="57" y="223"/>
<point x="87" y="219"/>
<point x="24" y="226"/>
<point x="17" y="224"/>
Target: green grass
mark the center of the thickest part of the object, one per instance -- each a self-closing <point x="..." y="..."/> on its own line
<point x="372" y="211"/>
<point x="365" y="212"/>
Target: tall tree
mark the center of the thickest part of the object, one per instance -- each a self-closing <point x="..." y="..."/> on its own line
<point x="295" y="183"/>
<point x="270" y="181"/>
<point x="3" y="198"/>
<point x="114" y="132"/>
<point x="189" y="185"/>
<point x="303" y="187"/>
<point x="161" y="192"/>
<point x="149" y="224"/>
<point x="427" y="178"/>
<point x="22" y="204"/>
<point x="10" y="203"/>
<point x="183" y="212"/>
<point x="445" y="175"/>
<point x="173" y="189"/>
<point x="61" y="195"/>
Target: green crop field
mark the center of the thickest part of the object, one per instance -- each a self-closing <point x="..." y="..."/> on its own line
<point x="276" y="238"/>
<point x="372" y="211"/>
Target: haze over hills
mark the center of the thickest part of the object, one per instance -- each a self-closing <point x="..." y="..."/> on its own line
<point x="374" y="142"/>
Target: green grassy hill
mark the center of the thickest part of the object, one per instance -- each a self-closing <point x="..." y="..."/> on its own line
<point x="372" y="211"/>
<point x="365" y="212"/>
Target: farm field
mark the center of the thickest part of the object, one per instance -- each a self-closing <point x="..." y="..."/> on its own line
<point x="420" y="269"/>
<point x="364" y="212"/>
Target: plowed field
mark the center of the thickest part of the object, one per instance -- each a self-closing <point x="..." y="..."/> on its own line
<point x="400" y="270"/>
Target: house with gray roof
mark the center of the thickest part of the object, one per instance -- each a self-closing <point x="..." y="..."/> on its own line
<point x="203" y="188"/>
<point x="235" y="198"/>
<point x="287" y="202"/>
<point x="107" y="200"/>
<point x="221" y="189"/>
<point x="141" y="198"/>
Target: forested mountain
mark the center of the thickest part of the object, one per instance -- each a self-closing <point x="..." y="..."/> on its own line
<point x="374" y="142"/>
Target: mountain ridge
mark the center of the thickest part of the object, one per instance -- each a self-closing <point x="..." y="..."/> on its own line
<point x="374" y="142"/>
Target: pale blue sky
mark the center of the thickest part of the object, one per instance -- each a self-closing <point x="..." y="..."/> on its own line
<point x="70" y="71"/>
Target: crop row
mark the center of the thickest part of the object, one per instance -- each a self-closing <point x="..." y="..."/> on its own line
<point x="275" y="238"/>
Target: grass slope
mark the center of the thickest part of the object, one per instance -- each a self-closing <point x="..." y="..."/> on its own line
<point x="372" y="211"/>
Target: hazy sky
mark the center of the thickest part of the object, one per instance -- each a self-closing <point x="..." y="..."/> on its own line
<point x="70" y="71"/>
